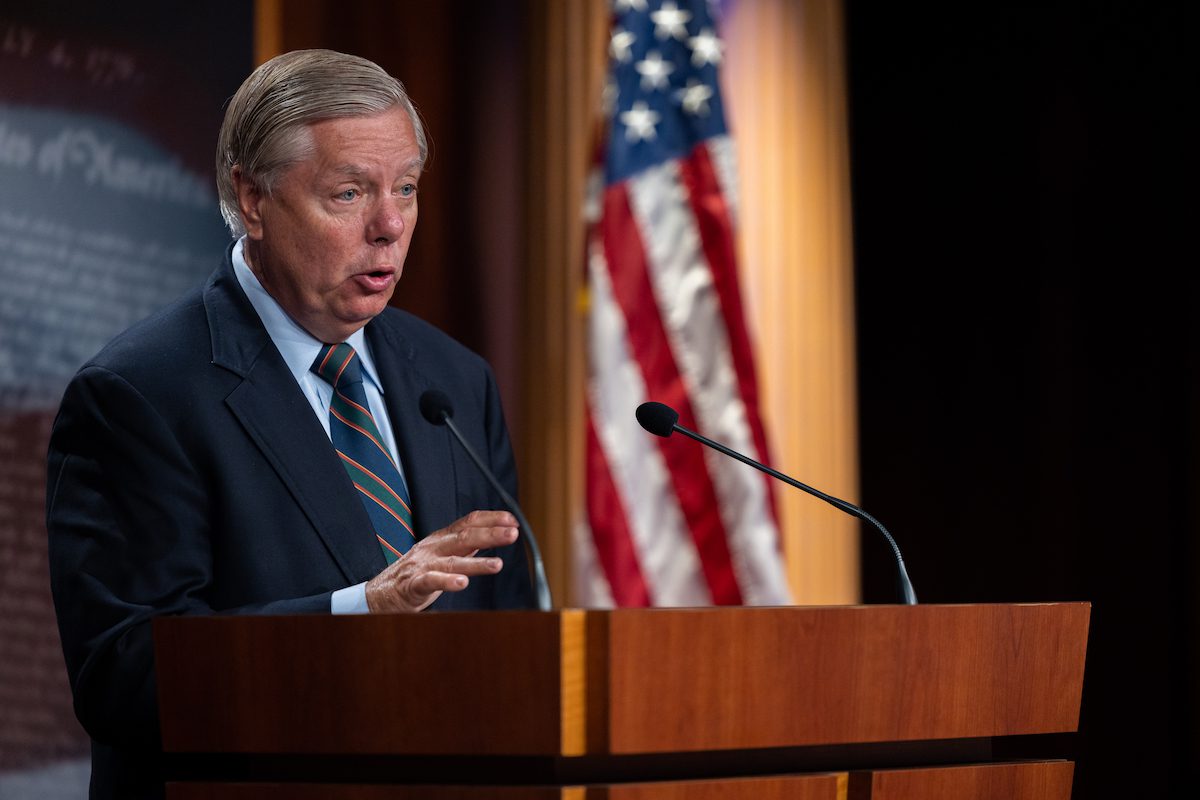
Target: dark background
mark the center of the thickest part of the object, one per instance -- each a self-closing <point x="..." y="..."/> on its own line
<point x="1028" y="345"/>
<point x="1028" y="352"/>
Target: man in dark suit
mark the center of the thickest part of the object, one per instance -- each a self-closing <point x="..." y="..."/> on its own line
<point x="195" y="465"/>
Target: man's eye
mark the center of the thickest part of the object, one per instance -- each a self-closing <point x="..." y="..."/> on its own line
<point x="348" y="194"/>
<point x="408" y="190"/>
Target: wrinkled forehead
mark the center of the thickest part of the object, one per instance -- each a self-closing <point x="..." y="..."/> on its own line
<point x="347" y="143"/>
<point x="375" y="146"/>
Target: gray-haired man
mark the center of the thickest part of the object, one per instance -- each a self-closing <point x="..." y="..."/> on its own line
<point x="196" y="465"/>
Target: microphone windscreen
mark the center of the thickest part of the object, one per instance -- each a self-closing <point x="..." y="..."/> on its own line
<point x="435" y="407"/>
<point x="657" y="418"/>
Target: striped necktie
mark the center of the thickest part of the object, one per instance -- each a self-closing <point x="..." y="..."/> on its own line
<point x="362" y="451"/>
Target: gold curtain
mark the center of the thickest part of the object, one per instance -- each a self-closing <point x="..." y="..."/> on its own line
<point x="785" y="88"/>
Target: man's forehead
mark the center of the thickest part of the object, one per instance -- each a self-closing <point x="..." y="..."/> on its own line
<point x="361" y="145"/>
<point x="355" y="170"/>
<point x="389" y="123"/>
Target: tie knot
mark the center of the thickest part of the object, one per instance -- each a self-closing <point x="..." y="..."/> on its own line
<point x="338" y="365"/>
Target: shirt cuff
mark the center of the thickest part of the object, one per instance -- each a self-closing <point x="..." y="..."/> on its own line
<point x="351" y="600"/>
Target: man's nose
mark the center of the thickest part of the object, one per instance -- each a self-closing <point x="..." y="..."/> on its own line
<point x="387" y="221"/>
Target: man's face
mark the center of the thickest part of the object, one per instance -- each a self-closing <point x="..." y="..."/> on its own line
<point x="329" y="242"/>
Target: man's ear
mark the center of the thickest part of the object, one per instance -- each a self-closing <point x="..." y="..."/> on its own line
<point x="249" y="199"/>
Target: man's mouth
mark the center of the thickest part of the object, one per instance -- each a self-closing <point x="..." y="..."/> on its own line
<point x="376" y="280"/>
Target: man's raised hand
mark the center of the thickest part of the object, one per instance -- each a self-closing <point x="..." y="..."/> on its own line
<point x="444" y="561"/>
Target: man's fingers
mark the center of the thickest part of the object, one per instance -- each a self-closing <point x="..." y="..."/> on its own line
<point x="467" y="566"/>
<point x="485" y="519"/>
<point x="428" y="583"/>
<point x="442" y="562"/>
<point x="451" y="573"/>
<point x="464" y="541"/>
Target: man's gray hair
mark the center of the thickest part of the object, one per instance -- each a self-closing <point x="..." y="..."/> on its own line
<point x="266" y="123"/>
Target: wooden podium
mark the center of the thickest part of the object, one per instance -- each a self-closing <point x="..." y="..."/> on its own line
<point x="880" y="702"/>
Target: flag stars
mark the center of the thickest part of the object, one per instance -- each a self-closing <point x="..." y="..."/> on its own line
<point x="629" y="5"/>
<point x="670" y="21"/>
<point x="654" y="70"/>
<point x="621" y="44"/>
<point x="706" y="48"/>
<point x="639" y="122"/>
<point x="694" y="97"/>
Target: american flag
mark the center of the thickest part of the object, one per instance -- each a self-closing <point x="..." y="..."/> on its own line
<point x="668" y="522"/>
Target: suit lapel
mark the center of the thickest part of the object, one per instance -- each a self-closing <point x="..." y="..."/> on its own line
<point x="278" y="418"/>
<point x="426" y="450"/>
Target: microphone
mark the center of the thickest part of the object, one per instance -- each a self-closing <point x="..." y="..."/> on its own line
<point x="662" y="420"/>
<point x="437" y="410"/>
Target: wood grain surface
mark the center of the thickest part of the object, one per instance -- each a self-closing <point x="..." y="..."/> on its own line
<point x="389" y="684"/>
<point x="717" y="679"/>
<point x="1045" y="780"/>
<point x="618" y="682"/>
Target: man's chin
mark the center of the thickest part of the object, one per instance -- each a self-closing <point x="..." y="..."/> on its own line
<point x="357" y="318"/>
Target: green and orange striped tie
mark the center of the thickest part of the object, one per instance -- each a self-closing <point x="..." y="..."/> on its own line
<point x="356" y="438"/>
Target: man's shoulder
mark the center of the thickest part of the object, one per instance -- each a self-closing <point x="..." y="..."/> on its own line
<point x="177" y="337"/>
<point x="165" y="345"/>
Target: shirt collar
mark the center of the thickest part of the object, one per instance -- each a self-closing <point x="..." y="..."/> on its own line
<point x="298" y="347"/>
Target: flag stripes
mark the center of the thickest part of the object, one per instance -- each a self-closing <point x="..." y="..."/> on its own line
<point x="651" y="346"/>
<point x="652" y="528"/>
<point x="668" y="522"/>
<point x="616" y="552"/>
<point x="715" y="226"/>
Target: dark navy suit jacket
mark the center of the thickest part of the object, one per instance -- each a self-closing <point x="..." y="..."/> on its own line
<point x="189" y="475"/>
